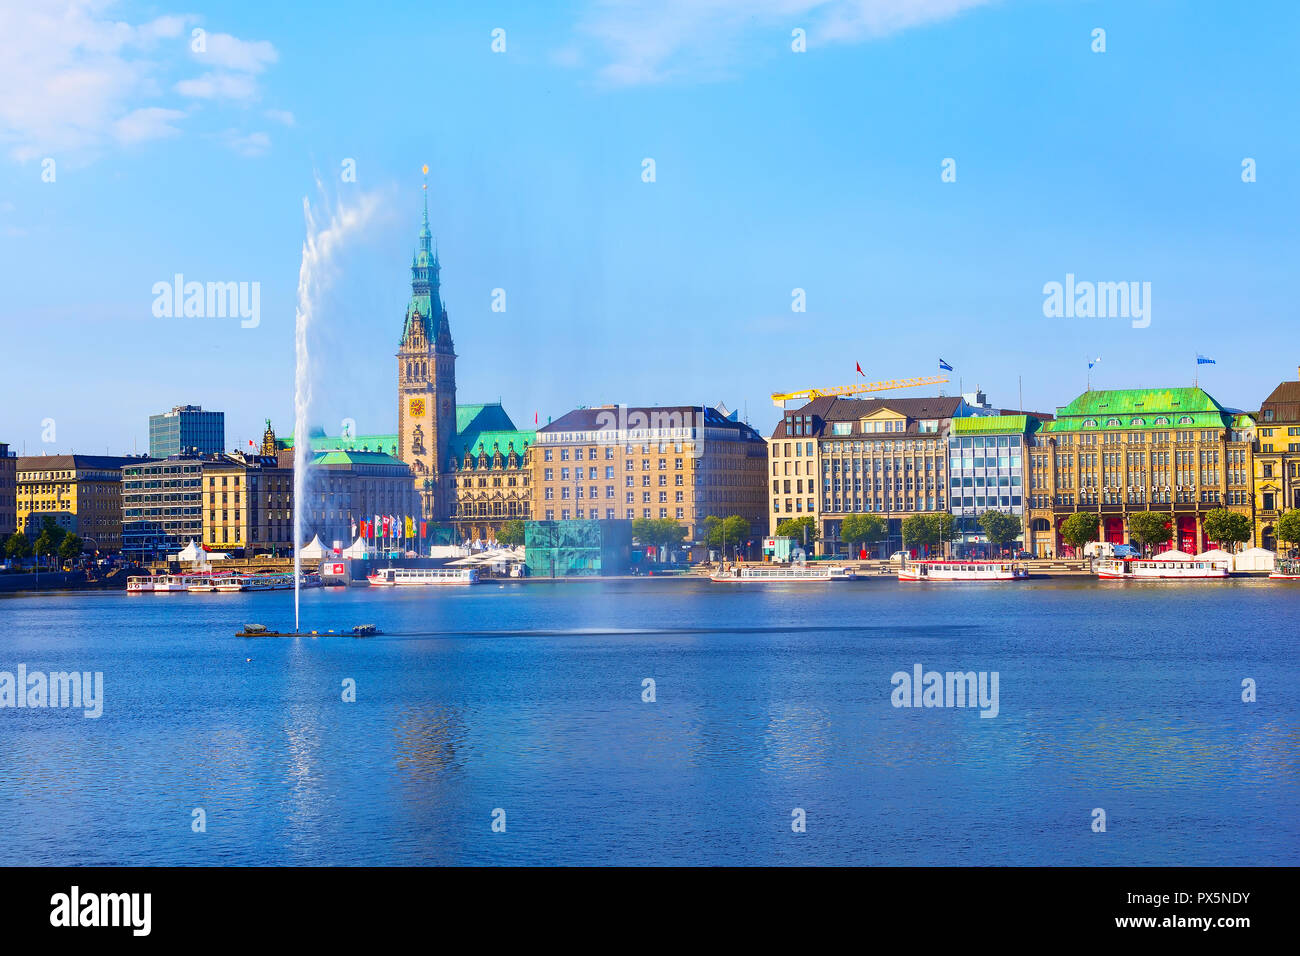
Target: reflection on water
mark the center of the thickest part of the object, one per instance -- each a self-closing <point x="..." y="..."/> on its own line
<point x="529" y="698"/>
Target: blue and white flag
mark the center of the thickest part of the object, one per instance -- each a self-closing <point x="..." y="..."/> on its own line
<point x="1096" y="361"/>
<point x="1202" y="360"/>
<point x="944" y="366"/>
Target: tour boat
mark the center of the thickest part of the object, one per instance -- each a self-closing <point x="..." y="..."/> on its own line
<point x="406" y="577"/>
<point x="1286" y="569"/>
<point x="963" y="571"/>
<point x="1130" y="569"/>
<point x="767" y="573"/>
<point x="140" y="584"/>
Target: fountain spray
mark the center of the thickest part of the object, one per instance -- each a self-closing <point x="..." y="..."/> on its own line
<point x="318" y="250"/>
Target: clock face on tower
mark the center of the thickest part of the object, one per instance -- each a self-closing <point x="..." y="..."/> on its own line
<point x="416" y="408"/>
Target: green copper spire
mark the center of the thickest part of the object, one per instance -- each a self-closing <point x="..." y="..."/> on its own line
<point x="425" y="312"/>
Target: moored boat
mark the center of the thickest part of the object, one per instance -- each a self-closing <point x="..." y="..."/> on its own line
<point x="963" y="571"/>
<point x="1285" y="569"/>
<point x="415" y="577"/>
<point x="1129" y="569"/>
<point x="768" y="574"/>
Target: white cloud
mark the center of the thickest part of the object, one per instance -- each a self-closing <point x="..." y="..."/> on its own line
<point x="250" y="144"/>
<point x="231" y="53"/>
<point x="650" y="41"/>
<point x="219" y="86"/>
<point x="280" y="116"/>
<point x="77" y="80"/>
<point x="148" y="122"/>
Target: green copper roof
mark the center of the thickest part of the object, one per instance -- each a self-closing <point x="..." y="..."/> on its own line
<point x="994" y="425"/>
<point x="502" y="439"/>
<point x="371" y="443"/>
<point x="486" y="424"/>
<point x="1129" y="409"/>
<point x="341" y="457"/>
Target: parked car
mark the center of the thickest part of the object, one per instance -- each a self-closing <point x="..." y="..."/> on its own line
<point x="1024" y="556"/>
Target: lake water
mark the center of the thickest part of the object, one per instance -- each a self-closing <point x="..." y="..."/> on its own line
<point x="527" y="698"/>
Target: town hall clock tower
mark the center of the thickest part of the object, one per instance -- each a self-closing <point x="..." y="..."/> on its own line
<point x="426" y="385"/>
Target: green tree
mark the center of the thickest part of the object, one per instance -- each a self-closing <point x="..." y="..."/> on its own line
<point x="1288" y="527"/>
<point x="794" y="528"/>
<point x="17" y="546"/>
<point x="1226" y="527"/>
<point x="928" y="530"/>
<point x="863" y="529"/>
<point x="48" y="541"/>
<point x="728" y="532"/>
<point x="658" y="532"/>
<point x="1000" y="528"/>
<point x="1150" y="527"/>
<point x="511" y="534"/>
<point x="1080" y="528"/>
<point x="70" y="547"/>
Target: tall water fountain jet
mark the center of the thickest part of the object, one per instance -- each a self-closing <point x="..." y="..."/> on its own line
<point x="318" y="251"/>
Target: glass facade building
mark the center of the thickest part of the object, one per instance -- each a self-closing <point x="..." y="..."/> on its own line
<point x="187" y="430"/>
<point x="986" y="469"/>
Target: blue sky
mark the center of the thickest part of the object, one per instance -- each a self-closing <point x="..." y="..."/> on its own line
<point x="775" y="170"/>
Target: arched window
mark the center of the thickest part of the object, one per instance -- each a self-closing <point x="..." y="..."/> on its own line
<point x="1185" y="420"/>
<point x="1090" y="423"/>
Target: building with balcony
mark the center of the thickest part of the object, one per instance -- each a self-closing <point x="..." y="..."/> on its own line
<point x="1117" y="452"/>
<point x="82" y="494"/>
<point x="834" y="457"/>
<point x="1276" y="467"/>
<point x="678" y="462"/>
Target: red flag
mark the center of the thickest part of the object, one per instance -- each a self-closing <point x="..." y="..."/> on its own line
<point x="534" y="418"/>
<point x="860" y="372"/>
<point x="424" y="529"/>
<point x="250" y="441"/>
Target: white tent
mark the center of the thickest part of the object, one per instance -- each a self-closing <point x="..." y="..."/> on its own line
<point x="357" y="549"/>
<point x="1256" y="559"/>
<point x="1174" y="555"/>
<point x="313" y="550"/>
<point x="191" y="552"/>
<point x="1218" y="557"/>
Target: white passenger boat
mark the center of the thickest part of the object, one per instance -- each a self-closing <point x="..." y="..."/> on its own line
<point x="409" y="577"/>
<point x="140" y="584"/>
<point x="764" y="573"/>
<point x="1285" y="569"/>
<point x="963" y="571"/>
<point x="1130" y="569"/>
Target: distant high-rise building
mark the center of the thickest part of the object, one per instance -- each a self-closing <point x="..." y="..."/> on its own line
<point x="187" y="430"/>
<point x="8" y="492"/>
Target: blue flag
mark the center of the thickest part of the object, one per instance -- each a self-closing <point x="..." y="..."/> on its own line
<point x="1202" y="360"/>
<point x="944" y="366"/>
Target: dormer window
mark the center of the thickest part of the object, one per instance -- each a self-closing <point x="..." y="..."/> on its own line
<point x="1090" y="423"/>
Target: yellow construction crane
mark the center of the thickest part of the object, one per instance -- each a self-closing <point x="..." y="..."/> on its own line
<point x="808" y="394"/>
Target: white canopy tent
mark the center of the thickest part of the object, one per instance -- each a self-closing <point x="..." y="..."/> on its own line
<point x="1218" y="557"/>
<point x="1174" y="555"/>
<point x="313" y="550"/>
<point x="192" y="553"/>
<point x="1256" y="559"/>
<point x="497" y="557"/>
<point x="357" y="549"/>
